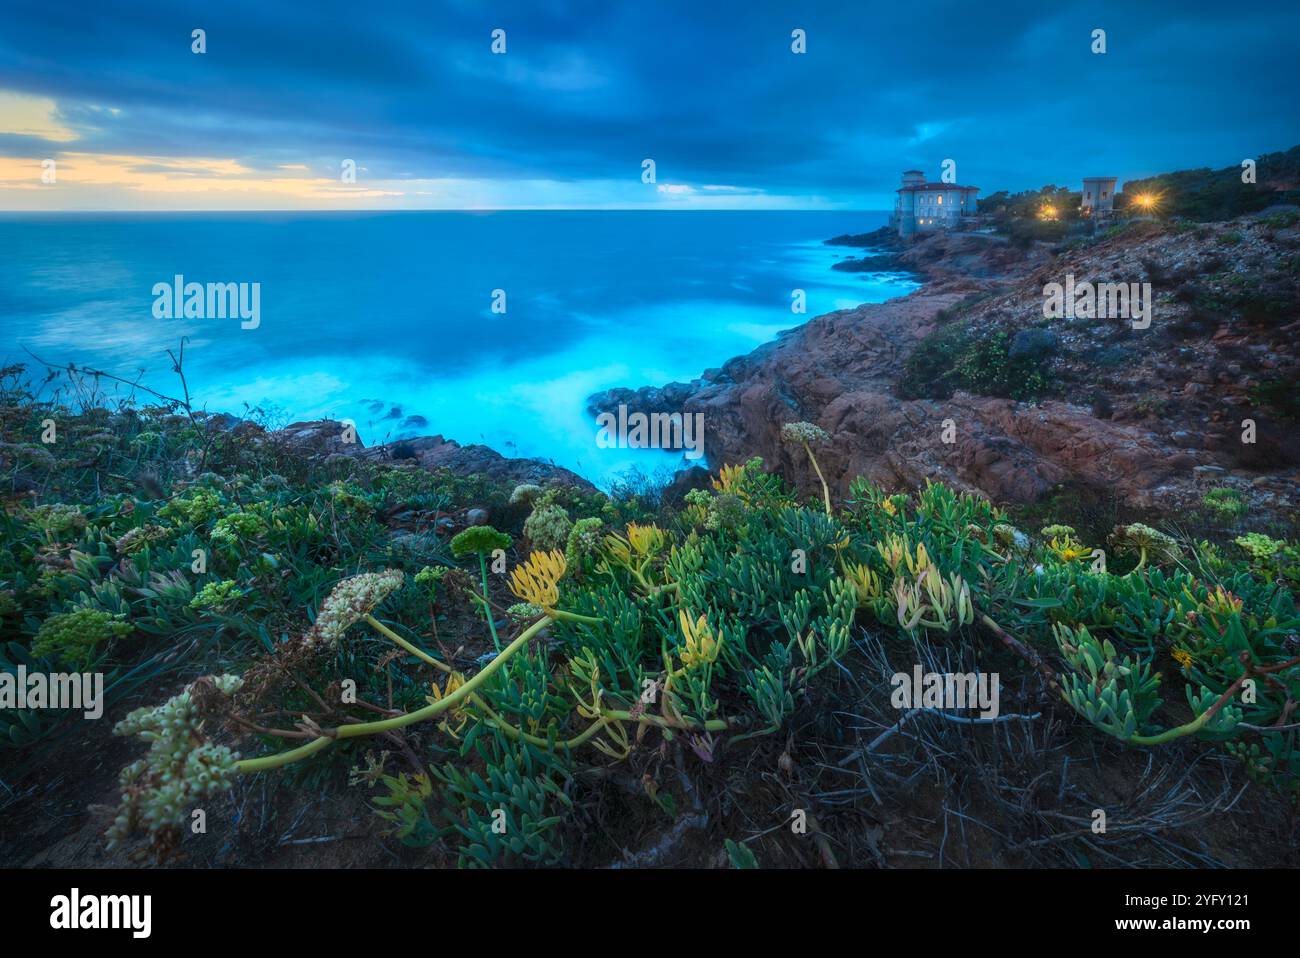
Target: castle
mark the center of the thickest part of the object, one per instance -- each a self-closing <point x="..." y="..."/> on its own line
<point x="923" y="206"/>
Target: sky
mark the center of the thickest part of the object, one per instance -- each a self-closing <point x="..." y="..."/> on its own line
<point x="413" y="95"/>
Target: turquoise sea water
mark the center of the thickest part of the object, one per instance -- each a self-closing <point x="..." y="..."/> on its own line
<point x="387" y="319"/>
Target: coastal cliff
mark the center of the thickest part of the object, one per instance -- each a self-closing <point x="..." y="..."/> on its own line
<point x="1151" y="416"/>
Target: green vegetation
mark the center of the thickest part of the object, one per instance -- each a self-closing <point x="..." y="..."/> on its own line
<point x="954" y="357"/>
<point x="1205" y="195"/>
<point x="1227" y="504"/>
<point x="1281" y="220"/>
<point x="1278" y="395"/>
<point x="1042" y="215"/>
<point x="692" y="639"/>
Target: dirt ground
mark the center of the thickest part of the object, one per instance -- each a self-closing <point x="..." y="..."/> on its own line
<point x="932" y="793"/>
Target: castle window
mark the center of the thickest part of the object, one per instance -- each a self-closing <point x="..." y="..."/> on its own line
<point x="941" y="201"/>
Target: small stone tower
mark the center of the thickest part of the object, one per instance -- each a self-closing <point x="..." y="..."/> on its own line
<point x="1099" y="195"/>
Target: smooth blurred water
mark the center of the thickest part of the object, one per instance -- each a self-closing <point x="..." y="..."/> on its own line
<point x="364" y="315"/>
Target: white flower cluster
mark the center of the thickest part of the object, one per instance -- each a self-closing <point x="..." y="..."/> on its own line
<point x="181" y="766"/>
<point x="803" y="432"/>
<point x="352" y="600"/>
<point x="525" y="492"/>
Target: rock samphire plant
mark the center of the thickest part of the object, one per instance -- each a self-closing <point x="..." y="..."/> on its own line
<point x="707" y="627"/>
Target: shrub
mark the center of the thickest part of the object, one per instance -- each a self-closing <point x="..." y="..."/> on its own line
<point x="1227" y="504"/>
<point x="954" y="357"/>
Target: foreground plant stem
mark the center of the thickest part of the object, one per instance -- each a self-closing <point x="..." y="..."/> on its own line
<point x="1025" y="652"/>
<point x="487" y="606"/>
<point x="393" y="636"/>
<point x="826" y="491"/>
<point x="606" y="716"/>
<point x="401" y="721"/>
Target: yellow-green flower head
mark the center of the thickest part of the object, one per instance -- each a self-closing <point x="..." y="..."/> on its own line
<point x="58" y="519"/>
<point x="237" y="526"/>
<point x="194" y="509"/>
<point x="523" y="612"/>
<point x="1259" y="545"/>
<point x="351" y="601"/>
<point x="480" y="540"/>
<point x="74" y="636"/>
<point x="217" y="595"/>
<point x="133" y="540"/>
<point x="802" y="432"/>
<point x="429" y="577"/>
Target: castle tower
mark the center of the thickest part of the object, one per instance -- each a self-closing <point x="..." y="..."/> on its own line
<point x="904" y="219"/>
<point x="1098" y="195"/>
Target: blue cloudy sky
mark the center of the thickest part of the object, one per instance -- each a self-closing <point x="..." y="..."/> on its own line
<point x="711" y="91"/>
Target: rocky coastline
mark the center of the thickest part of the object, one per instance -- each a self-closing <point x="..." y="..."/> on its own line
<point x="1152" y="418"/>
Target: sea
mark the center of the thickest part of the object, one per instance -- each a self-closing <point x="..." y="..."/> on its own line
<point x="483" y="327"/>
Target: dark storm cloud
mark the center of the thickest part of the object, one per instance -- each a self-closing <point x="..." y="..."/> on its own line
<point x="711" y="91"/>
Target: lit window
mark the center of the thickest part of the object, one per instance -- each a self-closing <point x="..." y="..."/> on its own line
<point x="941" y="201"/>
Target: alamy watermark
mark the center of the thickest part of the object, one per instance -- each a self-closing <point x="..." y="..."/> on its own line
<point x="55" y="690"/>
<point x="75" y="910"/>
<point x="182" y="300"/>
<point x="1089" y="300"/>
<point x="946" y="690"/>
<point x="656" y="430"/>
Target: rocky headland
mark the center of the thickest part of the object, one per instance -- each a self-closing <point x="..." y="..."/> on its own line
<point x="1153" y="417"/>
